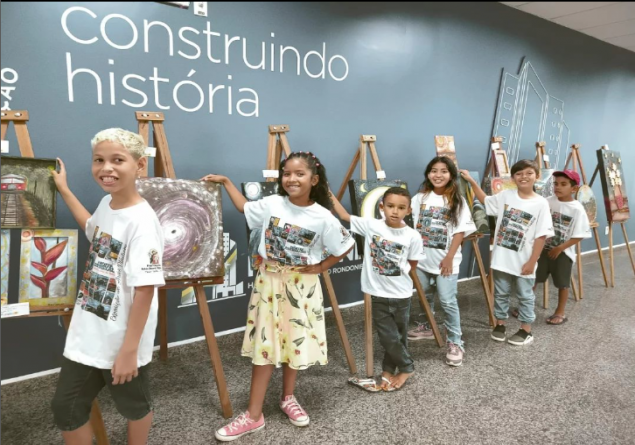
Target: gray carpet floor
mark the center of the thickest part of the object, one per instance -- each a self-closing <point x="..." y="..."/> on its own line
<point x="574" y="385"/>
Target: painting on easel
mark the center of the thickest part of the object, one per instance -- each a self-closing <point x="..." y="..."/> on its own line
<point x="5" y="248"/>
<point x="613" y="187"/>
<point x="445" y="147"/>
<point x="48" y="267"/>
<point x="190" y="214"/>
<point x="366" y="196"/>
<point x="586" y="197"/>
<point x="28" y="193"/>
<point x="255" y="191"/>
<point x="477" y="207"/>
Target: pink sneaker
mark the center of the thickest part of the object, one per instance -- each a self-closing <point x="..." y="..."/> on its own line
<point x="294" y="411"/>
<point x="241" y="425"/>
<point x="421" y="332"/>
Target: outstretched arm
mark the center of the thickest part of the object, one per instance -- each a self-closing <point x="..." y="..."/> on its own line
<point x="234" y="194"/>
<point x="478" y="191"/>
<point x="78" y="211"/>
<point x="339" y="209"/>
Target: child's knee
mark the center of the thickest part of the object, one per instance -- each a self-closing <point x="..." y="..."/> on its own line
<point x="69" y="414"/>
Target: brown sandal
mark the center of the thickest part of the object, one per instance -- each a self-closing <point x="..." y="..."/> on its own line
<point x="562" y="319"/>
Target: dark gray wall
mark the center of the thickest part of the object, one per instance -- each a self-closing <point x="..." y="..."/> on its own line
<point x="415" y="70"/>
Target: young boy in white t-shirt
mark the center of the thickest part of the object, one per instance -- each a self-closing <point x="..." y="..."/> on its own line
<point x="523" y="224"/>
<point x="111" y="335"/>
<point x="392" y="250"/>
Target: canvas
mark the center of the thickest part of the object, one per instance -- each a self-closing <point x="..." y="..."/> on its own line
<point x="366" y="195"/>
<point x="500" y="163"/>
<point x="445" y="147"/>
<point x="476" y="207"/>
<point x="190" y="214"/>
<point x="586" y="197"/>
<point x="544" y="184"/>
<point x="5" y="249"/>
<point x="48" y="267"/>
<point x="28" y="193"/>
<point x="613" y="187"/>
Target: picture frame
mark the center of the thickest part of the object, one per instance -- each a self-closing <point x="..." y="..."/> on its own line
<point x="445" y="147"/>
<point x="613" y="187"/>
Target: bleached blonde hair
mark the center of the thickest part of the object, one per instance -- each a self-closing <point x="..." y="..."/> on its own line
<point x="132" y="142"/>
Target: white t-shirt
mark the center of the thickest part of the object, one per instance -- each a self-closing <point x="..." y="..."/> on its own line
<point x="520" y="222"/>
<point x="294" y="235"/>
<point x="126" y="251"/>
<point x="386" y="268"/>
<point x="431" y="215"/>
<point x="569" y="221"/>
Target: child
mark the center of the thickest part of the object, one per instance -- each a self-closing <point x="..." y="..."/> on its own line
<point x="285" y="321"/>
<point x="523" y="223"/>
<point x="443" y="219"/>
<point x="111" y="335"/>
<point x="571" y="225"/>
<point x="392" y="250"/>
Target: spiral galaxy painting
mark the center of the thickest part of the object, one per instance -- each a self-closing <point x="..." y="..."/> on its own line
<point x="190" y="214"/>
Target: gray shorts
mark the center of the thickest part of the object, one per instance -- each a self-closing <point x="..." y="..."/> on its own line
<point x="78" y="385"/>
<point x="559" y="269"/>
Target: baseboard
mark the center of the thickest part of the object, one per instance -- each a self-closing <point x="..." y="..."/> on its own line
<point x="30" y="376"/>
<point x="606" y="248"/>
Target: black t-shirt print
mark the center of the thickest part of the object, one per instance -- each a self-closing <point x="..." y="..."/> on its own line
<point x="288" y="244"/>
<point x="513" y="228"/>
<point x="386" y="255"/>
<point x="433" y="226"/>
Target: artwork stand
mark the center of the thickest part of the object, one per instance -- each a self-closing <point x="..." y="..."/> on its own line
<point x="163" y="167"/>
<point x="278" y="144"/>
<point x="576" y="164"/>
<point x="474" y="239"/>
<point x="628" y="246"/>
<point x="368" y="141"/>
<point x="19" y="119"/>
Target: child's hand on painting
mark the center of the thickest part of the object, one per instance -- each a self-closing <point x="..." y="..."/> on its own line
<point x="466" y="175"/>
<point x="214" y="178"/>
<point x="125" y="367"/>
<point x="60" y="177"/>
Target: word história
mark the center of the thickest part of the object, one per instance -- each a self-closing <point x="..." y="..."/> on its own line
<point x="188" y="94"/>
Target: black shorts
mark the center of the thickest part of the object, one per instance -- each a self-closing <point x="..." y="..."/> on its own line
<point x="78" y="385"/>
<point x="560" y="270"/>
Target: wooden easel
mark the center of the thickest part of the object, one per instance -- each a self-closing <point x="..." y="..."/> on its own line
<point x="278" y="144"/>
<point x="368" y="141"/>
<point x="543" y="162"/>
<point x="576" y="162"/>
<point x="628" y="246"/>
<point x="19" y="119"/>
<point x="163" y="167"/>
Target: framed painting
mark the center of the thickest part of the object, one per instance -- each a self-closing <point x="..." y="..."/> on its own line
<point x="28" y="193"/>
<point x="445" y="147"/>
<point x="476" y="207"/>
<point x="586" y="197"/>
<point x="366" y="196"/>
<point x="5" y="248"/>
<point x="500" y="163"/>
<point x="544" y="184"/>
<point x="191" y="217"/>
<point x="613" y="187"/>
<point x="48" y="267"/>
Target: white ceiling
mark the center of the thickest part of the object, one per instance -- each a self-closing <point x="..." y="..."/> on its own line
<point x="612" y="22"/>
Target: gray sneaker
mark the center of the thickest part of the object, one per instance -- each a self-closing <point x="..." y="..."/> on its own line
<point x="421" y="332"/>
<point x="498" y="333"/>
<point x="454" y="357"/>
<point x="521" y="338"/>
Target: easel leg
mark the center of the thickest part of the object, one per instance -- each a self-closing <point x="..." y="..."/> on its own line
<point x="368" y="325"/>
<point x="545" y="295"/>
<point x="486" y="288"/>
<point x="163" y="324"/>
<point x="596" y="235"/>
<point x="579" y="261"/>
<point x="628" y="247"/>
<point x="574" y="290"/>
<point x="611" y="264"/>
<point x="96" y="420"/>
<point x="340" y="323"/>
<point x="212" y="346"/>
<point x="426" y="308"/>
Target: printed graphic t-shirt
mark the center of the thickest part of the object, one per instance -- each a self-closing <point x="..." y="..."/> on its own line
<point x="126" y="251"/>
<point x="294" y="235"/>
<point x="520" y="222"/>
<point x="569" y="221"/>
<point x="431" y="215"/>
<point x="386" y="268"/>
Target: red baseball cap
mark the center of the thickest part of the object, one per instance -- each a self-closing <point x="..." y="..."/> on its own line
<point x="571" y="174"/>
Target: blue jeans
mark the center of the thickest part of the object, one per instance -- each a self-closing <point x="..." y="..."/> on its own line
<point x="445" y="287"/>
<point x="524" y="291"/>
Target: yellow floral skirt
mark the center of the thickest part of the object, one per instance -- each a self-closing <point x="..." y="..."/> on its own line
<point x="285" y="321"/>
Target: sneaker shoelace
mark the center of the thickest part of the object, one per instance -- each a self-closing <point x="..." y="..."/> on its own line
<point x="422" y="327"/>
<point x="454" y="349"/>
<point x="241" y="420"/>
<point x="294" y="407"/>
